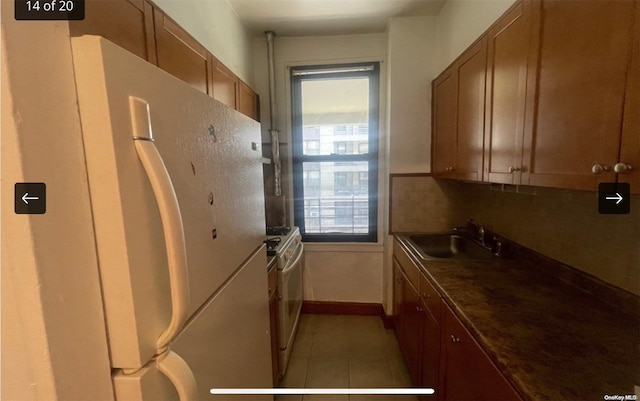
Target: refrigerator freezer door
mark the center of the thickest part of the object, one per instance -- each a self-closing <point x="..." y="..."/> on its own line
<point x="232" y="331"/>
<point x="213" y="159"/>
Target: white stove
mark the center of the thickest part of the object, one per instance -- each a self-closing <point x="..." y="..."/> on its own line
<point x="289" y="252"/>
<point x="282" y="241"/>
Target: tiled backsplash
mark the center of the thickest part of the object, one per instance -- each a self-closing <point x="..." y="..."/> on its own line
<point x="421" y="203"/>
<point x="564" y="225"/>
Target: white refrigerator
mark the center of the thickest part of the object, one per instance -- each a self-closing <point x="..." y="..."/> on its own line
<point x="175" y="180"/>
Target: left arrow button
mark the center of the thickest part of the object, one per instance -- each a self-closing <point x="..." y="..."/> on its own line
<point x="26" y="197"/>
<point x="30" y="198"/>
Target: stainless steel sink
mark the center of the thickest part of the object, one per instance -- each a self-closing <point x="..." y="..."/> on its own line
<point x="448" y="246"/>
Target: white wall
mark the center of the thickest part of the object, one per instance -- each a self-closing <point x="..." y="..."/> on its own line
<point x="217" y="27"/>
<point x="334" y="272"/>
<point x="460" y="22"/>
<point x="411" y="54"/>
<point x="54" y="344"/>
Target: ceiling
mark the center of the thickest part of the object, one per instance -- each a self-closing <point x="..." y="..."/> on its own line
<point x="327" y="17"/>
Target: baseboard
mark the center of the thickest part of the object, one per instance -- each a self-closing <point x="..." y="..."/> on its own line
<point x="342" y="308"/>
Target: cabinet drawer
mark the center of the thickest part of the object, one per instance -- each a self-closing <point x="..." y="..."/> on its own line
<point x="408" y="266"/>
<point x="430" y="297"/>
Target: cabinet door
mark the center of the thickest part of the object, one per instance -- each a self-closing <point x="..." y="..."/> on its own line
<point x="457" y="367"/>
<point x="248" y="101"/>
<point x="443" y="155"/>
<point x="127" y="23"/>
<point x="506" y="102"/>
<point x="467" y="373"/>
<point x="225" y="85"/>
<point x="430" y="353"/>
<point x="580" y="91"/>
<point x="181" y="55"/>
<point x="630" y="146"/>
<point x="412" y="331"/>
<point x="397" y="299"/>
<point x="471" y="70"/>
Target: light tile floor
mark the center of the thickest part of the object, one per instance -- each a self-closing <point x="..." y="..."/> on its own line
<point x="338" y="351"/>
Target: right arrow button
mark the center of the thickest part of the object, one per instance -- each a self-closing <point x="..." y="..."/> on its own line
<point x="613" y="198"/>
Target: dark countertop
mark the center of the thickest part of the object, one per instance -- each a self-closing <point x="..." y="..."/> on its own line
<point x="551" y="339"/>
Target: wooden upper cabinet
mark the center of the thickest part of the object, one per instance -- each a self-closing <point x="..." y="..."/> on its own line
<point x="508" y="84"/>
<point x="127" y="23"/>
<point x="443" y="157"/>
<point x="581" y="83"/>
<point x="471" y="70"/>
<point x="458" y="110"/>
<point x="181" y="55"/>
<point x="248" y="101"/>
<point x="225" y="85"/>
<point x="630" y="144"/>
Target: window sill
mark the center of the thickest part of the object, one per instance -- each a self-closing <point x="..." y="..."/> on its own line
<point x="343" y="247"/>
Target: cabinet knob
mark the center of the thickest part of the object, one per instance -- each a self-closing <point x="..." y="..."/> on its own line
<point x="621" y="168"/>
<point x="454" y="339"/>
<point x="425" y="295"/>
<point x="513" y="169"/>
<point x="599" y="168"/>
<point x="419" y="309"/>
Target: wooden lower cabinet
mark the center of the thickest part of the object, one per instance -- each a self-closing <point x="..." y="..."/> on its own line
<point x="397" y="299"/>
<point x="439" y="351"/>
<point x="466" y="372"/>
<point x="411" y="340"/>
<point x="430" y="352"/>
<point x="273" y="327"/>
<point x="417" y="330"/>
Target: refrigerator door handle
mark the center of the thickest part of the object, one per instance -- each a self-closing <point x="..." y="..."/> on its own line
<point x="171" y="218"/>
<point x="179" y="374"/>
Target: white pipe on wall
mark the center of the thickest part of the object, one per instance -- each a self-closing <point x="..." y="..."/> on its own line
<point x="273" y="131"/>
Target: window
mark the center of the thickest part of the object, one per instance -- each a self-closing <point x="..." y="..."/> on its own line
<point x="335" y="151"/>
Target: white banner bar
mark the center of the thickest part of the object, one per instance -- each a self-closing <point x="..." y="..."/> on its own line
<point x="328" y="391"/>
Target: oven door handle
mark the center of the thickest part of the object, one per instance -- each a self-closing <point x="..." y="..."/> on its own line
<point x="290" y="266"/>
